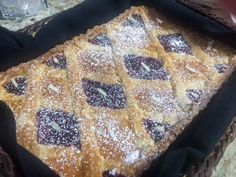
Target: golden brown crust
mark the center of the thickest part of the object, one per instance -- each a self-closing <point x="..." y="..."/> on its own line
<point x="160" y="84"/>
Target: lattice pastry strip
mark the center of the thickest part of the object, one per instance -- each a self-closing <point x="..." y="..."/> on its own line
<point x="141" y="70"/>
<point x="50" y="130"/>
<point x="153" y="110"/>
<point x="129" y="30"/>
<point x="187" y="78"/>
<point x="82" y="75"/>
<point x="158" y="25"/>
<point x="104" y="102"/>
<point x="216" y="56"/>
<point x="17" y="86"/>
<point x="219" y="58"/>
<point x="193" y="78"/>
<point x="63" y="128"/>
<point x="26" y="131"/>
<point x="54" y="88"/>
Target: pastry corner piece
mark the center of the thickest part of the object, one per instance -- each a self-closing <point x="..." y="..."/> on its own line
<point x="107" y="103"/>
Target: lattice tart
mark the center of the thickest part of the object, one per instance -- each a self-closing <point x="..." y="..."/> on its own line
<point x="108" y="102"/>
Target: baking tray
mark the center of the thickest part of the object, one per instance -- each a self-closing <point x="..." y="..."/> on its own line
<point x="18" y="47"/>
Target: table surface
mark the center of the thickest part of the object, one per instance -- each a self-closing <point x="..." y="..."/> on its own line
<point x="226" y="166"/>
<point x="54" y="6"/>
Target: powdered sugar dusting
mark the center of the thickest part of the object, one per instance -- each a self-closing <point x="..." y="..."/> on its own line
<point x="102" y="129"/>
<point x="130" y="37"/>
<point x="113" y="171"/>
<point x="64" y="159"/>
<point x="133" y="157"/>
<point x="148" y="68"/>
<point x="17" y="86"/>
<point x="157" y="130"/>
<point x="151" y="100"/>
<point x="113" y="137"/>
<point x="57" y="127"/>
<point x="104" y="95"/>
<point x="175" y="43"/>
<point x="97" y="60"/>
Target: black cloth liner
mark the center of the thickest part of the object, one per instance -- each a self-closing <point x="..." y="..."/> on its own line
<point x="197" y="140"/>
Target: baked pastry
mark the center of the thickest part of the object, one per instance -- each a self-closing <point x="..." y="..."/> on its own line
<point x="106" y="103"/>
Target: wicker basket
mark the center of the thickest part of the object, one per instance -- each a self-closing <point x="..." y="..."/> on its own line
<point x="202" y="169"/>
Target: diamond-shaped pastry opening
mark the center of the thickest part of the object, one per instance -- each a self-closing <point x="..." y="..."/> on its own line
<point x="56" y="127"/>
<point x="100" y="40"/>
<point x="194" y="95"/>
<point x="135" y="20"/>
<point x="156" y="130"/>
<point x="175" y="43"/>
<point x="17" y="86"/>
<point x="104" y="95"/>
<point x="147" y="68"/>
<point x="221" y="68"/>
<point x="56" y="61"/>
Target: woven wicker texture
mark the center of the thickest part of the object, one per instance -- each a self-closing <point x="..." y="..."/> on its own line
<point x="204" y="169"/>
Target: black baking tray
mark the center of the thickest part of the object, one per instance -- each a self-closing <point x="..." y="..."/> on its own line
<point x="197" y="140"/>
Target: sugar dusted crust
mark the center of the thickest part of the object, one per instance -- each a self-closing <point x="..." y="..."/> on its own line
<point x="117" y="96"/>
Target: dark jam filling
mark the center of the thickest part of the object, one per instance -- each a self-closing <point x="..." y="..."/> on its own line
<point x="104" y="95"/>
<point x="175" y="43"/>
<point x="155" y="129"/>
<point x="194" y="95"/>
<point x="17" y="87"/>
<point x="145" y="68"/>
<point x="135" y="21"/>
<point x="101" y="40"/>
<point x="57" y="61"/>
<point x="56" y="127"/>
<point x="221" y="68"/>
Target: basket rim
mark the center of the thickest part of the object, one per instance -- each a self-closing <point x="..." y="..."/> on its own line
<point x="205" y="168"/>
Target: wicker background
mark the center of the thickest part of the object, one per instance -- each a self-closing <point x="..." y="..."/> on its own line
<point x="204" y="169"/>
